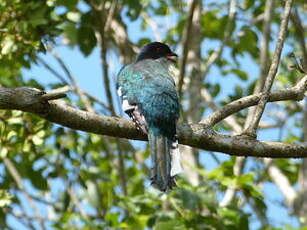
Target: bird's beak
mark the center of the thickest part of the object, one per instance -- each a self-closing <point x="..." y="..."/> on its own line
<point x="172" y="57"/>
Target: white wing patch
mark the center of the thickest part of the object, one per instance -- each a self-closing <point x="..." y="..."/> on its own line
<point x="126" y="106"/>
<point x="119" y="91"/>
<point x="133" y="111"/>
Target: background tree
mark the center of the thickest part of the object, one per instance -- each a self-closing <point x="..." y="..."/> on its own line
<point x="53" y="177"/>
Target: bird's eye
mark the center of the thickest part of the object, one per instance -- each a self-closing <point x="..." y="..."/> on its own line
<point x="158" y="49"/>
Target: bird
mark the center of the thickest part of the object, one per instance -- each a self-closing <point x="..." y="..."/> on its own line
<point x="149" y="97"/>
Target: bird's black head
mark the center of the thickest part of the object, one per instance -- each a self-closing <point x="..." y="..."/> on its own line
<point x="155" y="50"/>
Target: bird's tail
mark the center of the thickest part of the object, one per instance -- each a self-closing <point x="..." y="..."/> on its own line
<point x="166" y="161"/>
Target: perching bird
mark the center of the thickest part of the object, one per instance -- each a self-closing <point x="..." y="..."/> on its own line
<point x="148" y="93"/>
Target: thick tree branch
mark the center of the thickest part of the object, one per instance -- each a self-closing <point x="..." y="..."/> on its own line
<point x="194" y="135"/>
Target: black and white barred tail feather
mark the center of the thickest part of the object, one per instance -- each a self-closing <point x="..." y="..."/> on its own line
<point x="166" y="161"/>
<point x="175" y="157"/>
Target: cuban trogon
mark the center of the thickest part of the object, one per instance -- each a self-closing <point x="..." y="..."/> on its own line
<point x="148" y="94"/>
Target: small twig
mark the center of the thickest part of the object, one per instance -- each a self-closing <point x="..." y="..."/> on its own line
<point x="53" y="96"/>
<point x="264" y="46"/>
<point x="121" y="171"/>
<point x="64" y="89"/>
<point x="23" y="215"/>
<point x="298" y="66"/>
<point x="53" y="71"/>
<point x="185" y="41"/>
<point x="97" y="100"/>
<point x="75" y="200"/>
<point x="24" y="221"/>
<point x="293" y="93"/>
<point x="232" y="9"/>
<point x="231" y="191"/>
<point x="215" y="157"/>
<point x="231" y="120"/>
<point x="106" y="78"/>
<point x="251" y="130"/>
<point x="67" y="88"/>
<point x="111" y="14"/>
<point x="300" y="32"/>
<point x="73" y="81"/>
<point x="281" y="181"/>
<point x="104" y="26"/>
<point x="154" y="26"/>
<point x="277" y="124"/>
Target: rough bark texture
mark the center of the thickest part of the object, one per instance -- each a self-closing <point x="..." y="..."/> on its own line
<point x="194" y="135"/>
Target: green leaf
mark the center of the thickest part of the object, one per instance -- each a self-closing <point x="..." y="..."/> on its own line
<point x="135" y="8"/>
<point x="86" y="40"/>
<point x="212" y="24"/>
<point x="241" y="74"/>
<point x="71" y="4"/>
<point x="37" y="179"/>
<point x="38" y="17"/>
<point x="248" y="41"/>
<point x="169" y="225"/>
<point x="190" y="200"/>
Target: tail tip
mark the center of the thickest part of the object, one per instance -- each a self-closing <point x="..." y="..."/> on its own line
<point x="164" y="187"/>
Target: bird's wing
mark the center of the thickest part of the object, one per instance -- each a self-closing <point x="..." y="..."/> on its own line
<point x="127" y="82"/>
<point x="148" y="94"/>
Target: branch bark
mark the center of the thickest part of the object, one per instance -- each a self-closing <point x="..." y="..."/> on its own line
<point x="294" y="93"/>
<point x="194" y="135"/>
<point x="264" y="56"/>
<point x="251" y="130"/>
